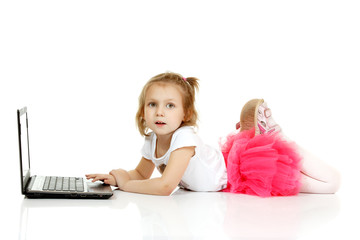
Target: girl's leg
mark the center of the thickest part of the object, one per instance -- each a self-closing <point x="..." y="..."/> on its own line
<point x="317" y="176"/>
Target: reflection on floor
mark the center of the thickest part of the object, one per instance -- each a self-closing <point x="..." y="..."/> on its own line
<point x="183" y="215"/>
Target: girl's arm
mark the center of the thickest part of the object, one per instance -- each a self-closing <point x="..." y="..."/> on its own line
<point x="164" y="185"/>
<point x="143" y="171"/>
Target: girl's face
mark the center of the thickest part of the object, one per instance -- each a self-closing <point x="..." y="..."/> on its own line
<point x="164" y="111"/>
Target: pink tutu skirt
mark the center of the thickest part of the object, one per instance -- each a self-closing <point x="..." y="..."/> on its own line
<point x="263" y="165"/>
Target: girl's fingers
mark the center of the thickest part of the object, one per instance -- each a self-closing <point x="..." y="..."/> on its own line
<point x="95" y="177"/>
<point x="105" y="178"/>
<point x="88" y="176"/>
<point x="99" y="178"/>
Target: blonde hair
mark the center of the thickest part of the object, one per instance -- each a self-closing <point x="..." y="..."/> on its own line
<point x="247" y="116"/>
<point x="187" y="87"/>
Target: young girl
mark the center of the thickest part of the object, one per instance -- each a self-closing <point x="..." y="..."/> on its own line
<point x="258" y="160"/>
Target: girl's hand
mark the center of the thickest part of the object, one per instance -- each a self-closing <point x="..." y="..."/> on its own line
<point x="106" y="178"/>
<point x="121" y="176"/>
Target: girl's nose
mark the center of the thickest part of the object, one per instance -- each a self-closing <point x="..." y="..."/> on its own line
<point x="159" y="112"/>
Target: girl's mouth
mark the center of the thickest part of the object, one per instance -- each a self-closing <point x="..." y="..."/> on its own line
<point x="159" y="123"/>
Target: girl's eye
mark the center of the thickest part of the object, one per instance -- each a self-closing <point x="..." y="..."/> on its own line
<point x="152" y="104"/>
<point x="170" y="105"/>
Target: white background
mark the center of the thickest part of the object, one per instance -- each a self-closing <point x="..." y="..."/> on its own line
<point x="79" y="67"/>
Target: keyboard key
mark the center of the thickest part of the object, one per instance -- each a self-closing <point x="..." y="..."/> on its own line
<point x="66" y="182"/>
<point x="59" y="182"/>
<point x="72" y="184"/>
<point x="79" y="185"/>
<point x="52" y="183"/>
<point x="46" y="183"/>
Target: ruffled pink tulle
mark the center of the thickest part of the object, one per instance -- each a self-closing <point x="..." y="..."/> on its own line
<point x="263" y="165"/>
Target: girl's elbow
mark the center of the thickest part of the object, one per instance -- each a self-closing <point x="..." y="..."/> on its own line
<point x="166" y="190"/>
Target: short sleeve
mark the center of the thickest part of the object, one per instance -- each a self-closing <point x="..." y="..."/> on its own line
<point x="184" y="137"/>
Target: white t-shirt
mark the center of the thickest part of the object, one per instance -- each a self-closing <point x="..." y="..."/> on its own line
<point x="206" y="170"/>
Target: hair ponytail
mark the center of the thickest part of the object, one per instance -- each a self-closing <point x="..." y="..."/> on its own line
<point x="193" y="82"/>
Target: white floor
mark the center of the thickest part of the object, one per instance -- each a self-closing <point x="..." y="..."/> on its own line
<point x="184" y="215"/>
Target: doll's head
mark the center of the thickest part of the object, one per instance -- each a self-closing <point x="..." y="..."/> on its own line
<point x="247" y="116"/>
<point x="185" y="86"/>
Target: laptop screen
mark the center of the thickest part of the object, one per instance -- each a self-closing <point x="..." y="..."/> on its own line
<point x="23" y="147"/>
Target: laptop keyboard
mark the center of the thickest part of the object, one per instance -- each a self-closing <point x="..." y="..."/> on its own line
<point x="72" y="184"/>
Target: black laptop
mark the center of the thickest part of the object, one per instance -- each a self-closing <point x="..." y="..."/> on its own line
<point x="52" y="186"/>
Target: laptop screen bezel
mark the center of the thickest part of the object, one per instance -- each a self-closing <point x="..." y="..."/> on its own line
<point x="24" y="177"/>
